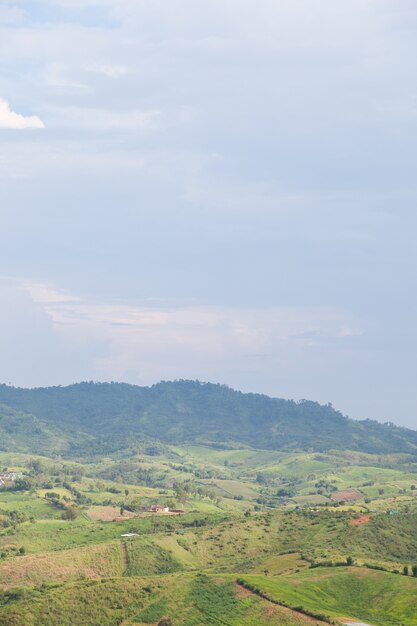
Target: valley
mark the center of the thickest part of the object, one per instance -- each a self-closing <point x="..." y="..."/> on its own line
<point x="203" y="533"/>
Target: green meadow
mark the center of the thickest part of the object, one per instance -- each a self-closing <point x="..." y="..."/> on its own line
<point x="267" y="517"/>
<point x="379" y="598"/>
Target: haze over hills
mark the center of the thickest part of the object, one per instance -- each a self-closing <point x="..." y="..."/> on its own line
<point x="110" y="416"/>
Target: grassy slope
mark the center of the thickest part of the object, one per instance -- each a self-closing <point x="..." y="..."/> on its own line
<point x="238" y="544"/>
<point x="195" y="600"/>
<point x="228" y="542"/>
<point x="96" y="561"/>
<point x="382" y="599"/>
<point x="145" y="557"/>
<point x="56" y="534"/>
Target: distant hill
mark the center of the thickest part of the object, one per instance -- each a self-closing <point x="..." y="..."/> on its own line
<point x="110" y="416"/>
<point x="22" y="432"/>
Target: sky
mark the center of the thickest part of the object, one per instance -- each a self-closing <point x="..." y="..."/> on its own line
<point x="222" y="191"/>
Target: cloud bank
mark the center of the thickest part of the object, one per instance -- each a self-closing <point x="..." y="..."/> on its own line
<point x="11" y="120"/>
<point x="248" y="167"/>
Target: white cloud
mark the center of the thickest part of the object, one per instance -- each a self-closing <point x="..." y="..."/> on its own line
<point x="33" y="351"/>
<point x="10" y="119"/>
<point x="46" y="294"/>
<point x="160" y="341"/>
<point x="274" y="142"/>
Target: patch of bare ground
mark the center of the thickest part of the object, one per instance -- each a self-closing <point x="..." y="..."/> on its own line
<point x="108" y="514"/>
<point x="358" y="521"/>
<point x="242" y="592"/>
<point x="349" y="495"/>
<point x="112" y="514"/>
<point x="278" y="613"/>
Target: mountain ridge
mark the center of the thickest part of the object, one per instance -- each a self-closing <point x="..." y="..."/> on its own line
<point x="191" y="411"/>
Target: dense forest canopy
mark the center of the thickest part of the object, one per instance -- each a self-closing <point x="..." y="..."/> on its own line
<point x="113" y="415"/>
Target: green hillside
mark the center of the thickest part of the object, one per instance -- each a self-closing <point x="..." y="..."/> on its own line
<point x="118" y="415"/>
<point x="116" y="563"/>
<point x="268" y="491"/>
<point x="23" y="432"/>
<point x="194" y="600"/>
<point x="376" y="597"/>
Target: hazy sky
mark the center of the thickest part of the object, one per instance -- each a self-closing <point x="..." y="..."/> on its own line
<point x="215" y="190"/>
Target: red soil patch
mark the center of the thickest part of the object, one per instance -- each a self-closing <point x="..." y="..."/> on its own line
<point x="364" y="519"/>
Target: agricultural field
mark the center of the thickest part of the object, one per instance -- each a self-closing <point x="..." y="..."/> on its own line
<point x="75" y="530"/>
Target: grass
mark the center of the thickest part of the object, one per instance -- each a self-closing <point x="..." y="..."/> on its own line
<point x="48" y="535"/>
<point x="192" y="600"/>
<point x="281" y="564"/>
<point x="144" y="557"/>
<point x="97" y="561"/>
<point x="27" y="503"/>
<point x="385" y="539"/>
<point x="382" y="599"/>
<point x="216" y="541"/>
<point x="231" y="488"/>
<point x="227" y="545"/>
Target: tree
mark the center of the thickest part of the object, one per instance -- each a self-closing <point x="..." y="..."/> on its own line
<point x="414" y="570"/>
<point x="36" y="465"/>
<point x="180" y="493"/>
<point x="135" y="505"/>
<point x="52" y="495"/>
<point x="71" y="513"/>
<point x="405" y="570"/>
<point x="126" y="492"/>
<point x="261" y="478"/>
<point x="21" y="484"/>
<point x="349" y="561"/>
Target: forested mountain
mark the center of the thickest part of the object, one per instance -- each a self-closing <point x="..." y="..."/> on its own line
<point x="113" y="414"/>
<point x="21" y="431"/>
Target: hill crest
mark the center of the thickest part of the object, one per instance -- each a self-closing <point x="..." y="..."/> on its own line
<point x="191" y="411"/>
